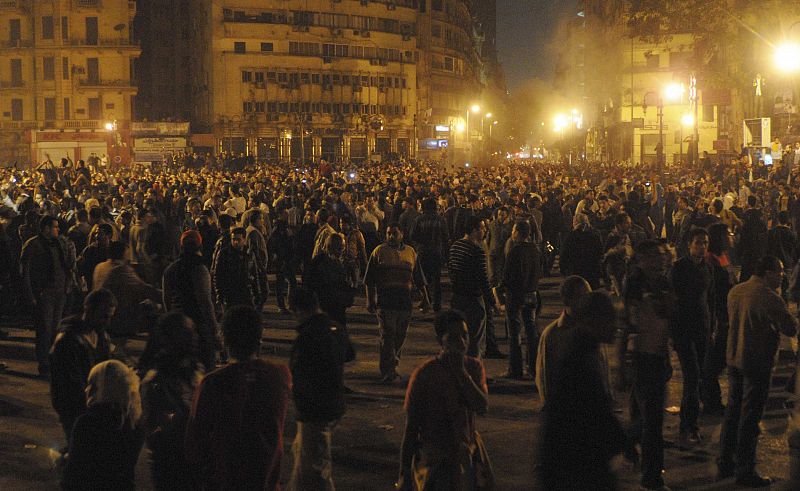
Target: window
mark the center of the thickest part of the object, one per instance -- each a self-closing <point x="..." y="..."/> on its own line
<point x="272" y="77"/>
<point x="247" y="107"/>
<point x="91" y="31"/>
<point x="16" y="72"/>
<point x="49" y="108"/>
<point x="708" y="113"/>
<point x="16" y="109"/>
<point x="259" y="77"/>
<point x="436" y="5"/>
<point x="93" y="70"/>
<point x="47" y="27"/>
<point x="653" y="61"/>
<point x="66" y="108"/>
<point x="65" y="68"/>
<point x="247" y="76"/>
<point x="49" y="68"/>
<point x="305" y="78"/>
<point x="266" y="46"/>
<point x="294" y="79"/>
<point x="315" y="78"/>
<point x="272" y="107"/>
<point x="304" y="49"/>
<point x="260" y="106"/>
<point x="436" y="30"/>
<point x="326" y="108"/>
<point x="294" y="107"/>
<point x="283" y="107"/>
<point x="65" y="28"/>
<point x="449" y="64"/>
<point x="282" y="78"/>
<point x="94" y="108"/>
<point x="239" y="47"/>
<point x="340" y="50"/>
<point x="14" y="30"/>
<point x="356" y="108"/>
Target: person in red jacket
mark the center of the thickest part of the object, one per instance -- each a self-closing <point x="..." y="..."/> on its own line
<point x="234" y="436"/>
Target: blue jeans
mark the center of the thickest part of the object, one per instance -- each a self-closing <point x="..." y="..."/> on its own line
<point x="474" y="310"/>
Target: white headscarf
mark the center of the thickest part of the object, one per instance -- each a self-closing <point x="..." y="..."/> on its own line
<point x="113" y="382"/>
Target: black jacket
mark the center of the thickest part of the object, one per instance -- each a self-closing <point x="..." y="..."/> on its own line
<point x="429" y="235"/>
<point x="71" y="359"/>
<point x="317" y="365"/>
<point x="328" y="279"/>
<point x="235" y="277"/>
<point x="103" y="451"/>
<point x="522" y="272"/>
<point x="582" y="255"/>
<point x="782" y="243"/>
<point x="693" y="283"/>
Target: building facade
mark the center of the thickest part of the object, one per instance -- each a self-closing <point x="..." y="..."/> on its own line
<point x="310" y="79"/>
<point x="66" y="79"/>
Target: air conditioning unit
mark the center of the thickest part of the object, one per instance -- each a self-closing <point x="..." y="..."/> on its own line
<point x="365" y="34"/>
<point x="327" y="59"/>
<point x="391" y="6"/>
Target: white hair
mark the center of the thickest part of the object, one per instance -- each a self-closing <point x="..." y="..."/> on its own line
<point x="113" y="382"/>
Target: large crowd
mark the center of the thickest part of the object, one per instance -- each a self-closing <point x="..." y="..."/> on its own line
<point x="182" y="254"/>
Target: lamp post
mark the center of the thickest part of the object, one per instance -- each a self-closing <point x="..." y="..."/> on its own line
<point x="672" y="92"/>
<point x="686" y="120"/>
<point x="475" y="109"/>
<point x="494" y="123"/>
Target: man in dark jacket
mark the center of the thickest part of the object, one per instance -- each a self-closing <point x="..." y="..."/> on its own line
<point x="782" y="243"/>
<point x="753" y="239"/>
<point x="235" y="274"/>
<point x="429" y="237"/>
<point x="81" y="344"/>
<point x="692" y="282"/>
<point x="317" y="366"/>
<point x="187" y="289"/>
<point x="45" y="280"/>
<point x="582" y="252"/>
<point x="519" y="283"/>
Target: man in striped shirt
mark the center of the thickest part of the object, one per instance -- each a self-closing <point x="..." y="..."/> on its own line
<point x="392" y="272"/>
<point x="470" y="282"/>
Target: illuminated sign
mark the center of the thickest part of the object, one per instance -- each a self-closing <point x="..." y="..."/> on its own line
<point x="442" y="128"/>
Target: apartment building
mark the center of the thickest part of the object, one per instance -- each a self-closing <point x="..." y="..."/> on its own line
<point x="66" y="78"/>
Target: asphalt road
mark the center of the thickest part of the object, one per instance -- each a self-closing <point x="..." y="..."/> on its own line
<point x="367" y="441"/>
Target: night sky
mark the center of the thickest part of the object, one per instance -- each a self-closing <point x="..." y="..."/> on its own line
<point x="524" y="31"/>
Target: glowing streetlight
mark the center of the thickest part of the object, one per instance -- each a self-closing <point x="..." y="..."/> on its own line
<point x="560" y="120"/>
<point x="460" y="127"/>
<point x="488" y="115"/>
<point x="109" y="126"/>
<point x="475" y="108"/>
<point x="674" y="91"/>
<point x="787" y="57"/>
<point x="687" y="120"/>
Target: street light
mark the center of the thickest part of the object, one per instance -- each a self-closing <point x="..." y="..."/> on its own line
<point x="674" y="92"/>
<point x="787" y="57"/>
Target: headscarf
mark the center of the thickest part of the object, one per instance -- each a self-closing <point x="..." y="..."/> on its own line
<point x="113" y="382"/>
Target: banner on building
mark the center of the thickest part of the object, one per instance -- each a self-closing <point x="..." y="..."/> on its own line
<point x="159" y="128"/>
<point x="156" y="144"/>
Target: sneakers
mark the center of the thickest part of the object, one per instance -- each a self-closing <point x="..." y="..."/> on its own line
<point x="753" y="481"/>
<point x="494" y="354"/>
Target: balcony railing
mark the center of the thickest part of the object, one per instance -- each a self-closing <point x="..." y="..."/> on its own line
<point x="86" y="4"/>
<point x="14" y="4"/>
<point x="11" y="84"/>
<point x="104" y="42"/>
<point x="88" y="82"/>
<point x="18" y="125"/>
<point x="16" y="43"/>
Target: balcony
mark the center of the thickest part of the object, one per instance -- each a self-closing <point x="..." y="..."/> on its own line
<point x="18" y="125"/>
<point x="16" y="43"/>
<point x="86" y="4"/>
<point x="16" y="84"/>
<point x="104" y="43"/>
<point x="22" y="5"/>
<point x="106" y="84"/>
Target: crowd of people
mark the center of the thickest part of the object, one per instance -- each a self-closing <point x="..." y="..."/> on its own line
<point x="183" y="255"/>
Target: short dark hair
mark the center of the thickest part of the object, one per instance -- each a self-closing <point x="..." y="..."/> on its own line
<point x="696" y="232"/>
<point x="225" y="221"/>
<point x="303" y="300"/>
<point x="718" y="241"/>
<point x="620" y="218"/>
<point x="471" y="224"/>
<point x="595" y="306"/>
<point x="717" y="204"/>
<point x="97" y="298"/>
<point x="394" y="224"/>
<point x="239" y="231"/>
<point x="444" y="320"/>
<point x="524" y="228"/>
<point x="572" y="288"/>
<point x="242" y="329"/>
<point x="767" y="264"/>
<point x="116" y="250"/>
<point x="46" y="221"/>
<point x="751" y="201"/>
<point x="647" y="247"/>
<point x="429" y="204"/>
<point x="105" y="228"/>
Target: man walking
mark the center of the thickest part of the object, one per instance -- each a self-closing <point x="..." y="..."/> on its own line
<point x="519" y="283"/>
<point x="497" y="234"/>
<point x="391" y="273"/>
<point x="235" y="274"/>
<point x="429" y="237"/>
<point x="45" y="280"/>
<point x="317" y="364"/>
<point x="470" y="282"/>
<point x="692" y="283"/>
<point x="757" y="316"/>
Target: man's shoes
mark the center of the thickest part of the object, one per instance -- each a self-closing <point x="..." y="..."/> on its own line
<point x="513" y="375"/>
<point x="494" y="354"/>
<point x="692" y="437"/>
<point x="725" y="472"/>
<point x="715" y="410"/>
<point x="388" y="379"/>
<point x="753" y="481"/>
